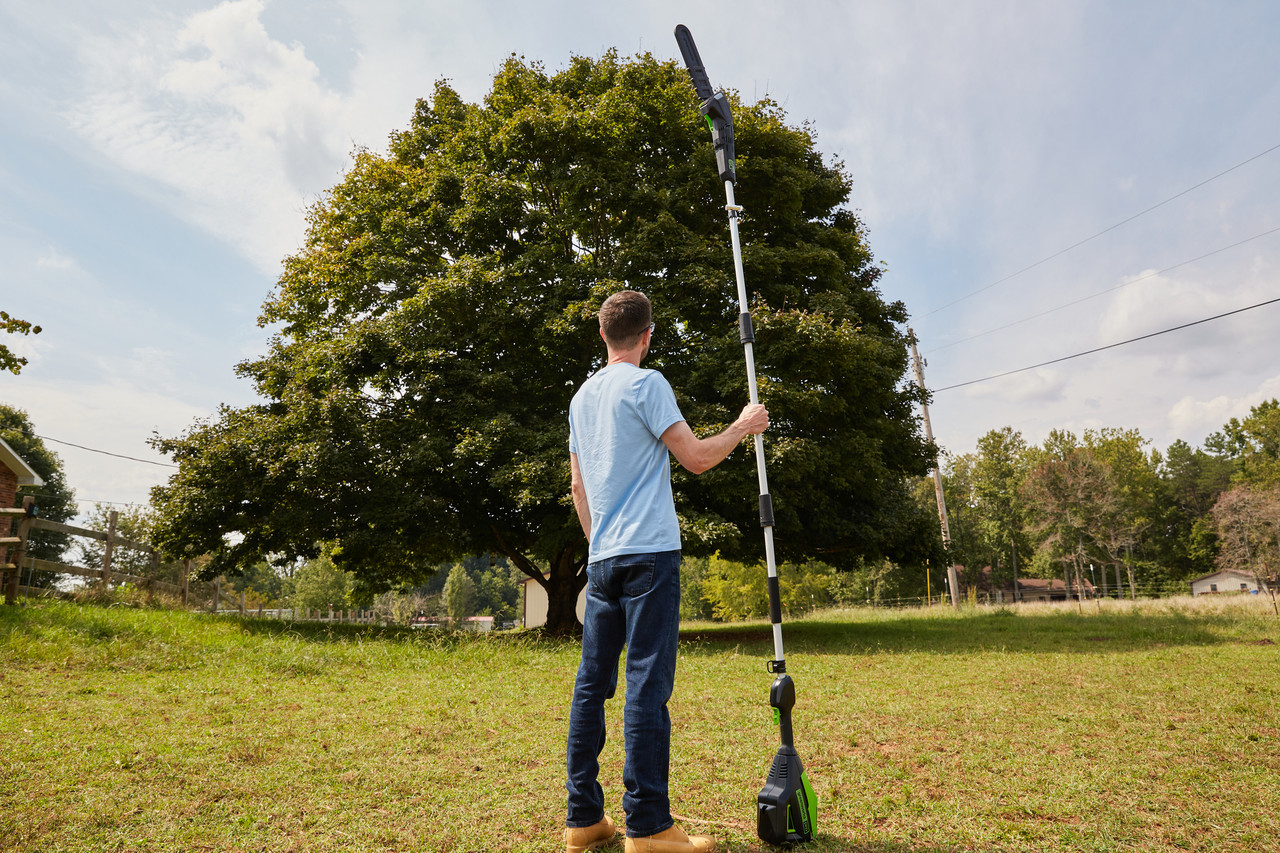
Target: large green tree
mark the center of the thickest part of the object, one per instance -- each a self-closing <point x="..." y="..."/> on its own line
<point x="1072" y="506"/>
<point x="963" y="516"/>
<point x="430" y="334"/>
<point x="1192" y="481"/>
<point x="1253" y="444"/>
<point x="320" y="585"/>
<point x="1135" y="530"/>
<point x="459" y="594"/>
<point x="997" y="481"/>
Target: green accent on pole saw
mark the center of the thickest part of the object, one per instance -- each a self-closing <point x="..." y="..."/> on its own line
<point x="808" y="817"/>
<point x="777" y="716"/>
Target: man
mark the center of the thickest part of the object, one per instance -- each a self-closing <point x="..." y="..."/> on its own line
<point x="622" y="423"/>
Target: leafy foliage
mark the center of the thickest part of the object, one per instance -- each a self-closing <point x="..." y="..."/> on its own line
<point x="319" y="584"/>
<point x="1248" y="524"/>
<point x="736" y="590"/>
<point x="459" y="594"/>
<point x="132" y="523"/>
<point x="9" y="360"/>
<point x="998" y="473"/>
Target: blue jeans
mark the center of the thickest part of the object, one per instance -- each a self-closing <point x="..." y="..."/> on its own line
<point x="633" y="600"/>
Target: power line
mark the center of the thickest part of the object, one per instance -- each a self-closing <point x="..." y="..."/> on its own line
<point x="86" y="500"/>
<point x="1106" y="230"/>
<point x="1108" y="346"/>
<point x="1103" y="292"/>
<point x="107" y="452"/>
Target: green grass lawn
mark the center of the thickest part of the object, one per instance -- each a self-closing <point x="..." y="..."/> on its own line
<point x="1151" y="728"/>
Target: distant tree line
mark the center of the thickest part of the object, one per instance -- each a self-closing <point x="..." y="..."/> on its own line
<point x="1108" y="505"/>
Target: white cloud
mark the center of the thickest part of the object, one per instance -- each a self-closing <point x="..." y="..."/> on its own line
<point x="1190" y="416"/>
<point x="1044" y="385"/>
<point x="233" y="129"/>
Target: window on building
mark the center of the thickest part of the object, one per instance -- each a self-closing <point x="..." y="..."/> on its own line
<point x="1213" y="587"/>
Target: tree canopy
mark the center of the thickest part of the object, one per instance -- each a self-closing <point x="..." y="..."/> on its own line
<point x="431" y="331"/>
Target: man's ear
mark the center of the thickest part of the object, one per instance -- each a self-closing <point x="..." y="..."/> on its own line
<point x="602" y="337"/>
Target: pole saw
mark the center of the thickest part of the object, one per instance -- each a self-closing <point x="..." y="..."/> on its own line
<point x="786" y="808"/>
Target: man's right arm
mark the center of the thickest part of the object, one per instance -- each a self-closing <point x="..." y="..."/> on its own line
<point x="703" y="454"/>
<point x="579" y="490"/>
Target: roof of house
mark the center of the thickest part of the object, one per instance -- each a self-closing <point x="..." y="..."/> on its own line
<point x="15" y="463"/>
<point x="1041" y="583"/>
<point x="984" y="580"/>
<point x="1220" y="572"/>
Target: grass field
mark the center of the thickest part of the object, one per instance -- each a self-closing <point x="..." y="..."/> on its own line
<point x="1149" y="727"/>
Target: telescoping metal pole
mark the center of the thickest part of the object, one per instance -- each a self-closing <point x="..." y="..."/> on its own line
<point x="786" y="807"/>
<point x="766" y="502"/>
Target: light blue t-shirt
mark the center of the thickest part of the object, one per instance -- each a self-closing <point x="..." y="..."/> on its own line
<point x="616" y="421"/>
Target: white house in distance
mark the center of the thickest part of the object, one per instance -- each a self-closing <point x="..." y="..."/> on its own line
<point x="1227" y="580"/>
<point x="535" y="603"/>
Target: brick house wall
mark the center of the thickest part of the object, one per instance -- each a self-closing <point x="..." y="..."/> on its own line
<point x="8" y="497"/>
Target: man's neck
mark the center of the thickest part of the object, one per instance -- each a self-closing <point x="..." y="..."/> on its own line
<point x="631" y="356"/>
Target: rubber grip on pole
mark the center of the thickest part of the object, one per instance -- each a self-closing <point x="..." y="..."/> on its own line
<point x="775" y="602"/>
<point x="745" y="331"/>
<point x="766" y="511"/>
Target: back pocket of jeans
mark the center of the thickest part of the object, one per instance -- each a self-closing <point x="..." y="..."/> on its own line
<point x="637" y="572"/>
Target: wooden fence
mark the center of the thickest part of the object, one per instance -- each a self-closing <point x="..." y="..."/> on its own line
<point x="19" y="562"/>
<point x="112" y="542"/>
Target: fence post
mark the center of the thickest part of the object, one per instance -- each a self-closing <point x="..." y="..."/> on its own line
<point x="186" y="578"/>
<point x="106" y="551"/>
<point x="242" y="602"/>
<point x="217" y="593"/>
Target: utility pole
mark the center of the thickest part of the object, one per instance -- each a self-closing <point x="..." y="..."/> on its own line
<point x="952" y="583"/>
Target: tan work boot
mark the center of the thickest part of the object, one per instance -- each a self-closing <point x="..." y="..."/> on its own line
<point x="671" y="840"/>
<point x="580" y="838"/>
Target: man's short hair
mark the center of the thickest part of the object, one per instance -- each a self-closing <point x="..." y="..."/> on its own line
<point x="624" y="315"/>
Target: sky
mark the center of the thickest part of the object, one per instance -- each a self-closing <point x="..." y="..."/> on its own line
<point x="1040" y="179"/>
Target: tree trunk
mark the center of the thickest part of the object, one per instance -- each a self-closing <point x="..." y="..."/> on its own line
<point x="568" y="577"/>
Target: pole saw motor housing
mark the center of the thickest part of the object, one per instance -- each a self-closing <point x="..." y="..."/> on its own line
<point x="786" y="808"/>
